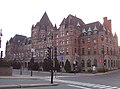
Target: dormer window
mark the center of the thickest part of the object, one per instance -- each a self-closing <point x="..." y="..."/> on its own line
<point x="89" y="30"/>
<point x="95" y="28"/>
<point x="84" y="31"/>
<point x="78" y="24"/>
<point x="89" y="33"/>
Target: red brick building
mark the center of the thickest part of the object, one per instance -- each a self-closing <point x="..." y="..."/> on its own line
<point x="85" y="44"/>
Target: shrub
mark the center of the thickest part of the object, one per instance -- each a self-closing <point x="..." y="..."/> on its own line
<point x="67" y="66"/>
<point x="102" y="70"/>
<point x="4" y="63"/>
<point x="90" y="70"/>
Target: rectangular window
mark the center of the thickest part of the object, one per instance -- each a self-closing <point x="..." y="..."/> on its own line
<point x="88" y="51"/>
<point x="75" y="50"/>
<point x="94" y="51"/>
<point x="102" y="38"/>
<point x="67" y="33"/>
<point x="67" y="41"/>
<point x="57" y="35"/>
<point x="94" y="40"/>
<point x="83" y="51"/>
<point x="88" y="40"/>
<point x="56" y="42"/>
<point x="82" y="40"/>
<point x="62" y="34"/>
<point x="66" y="51"/>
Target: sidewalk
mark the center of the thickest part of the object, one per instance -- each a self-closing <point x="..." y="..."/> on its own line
<point x="22" y="81"/>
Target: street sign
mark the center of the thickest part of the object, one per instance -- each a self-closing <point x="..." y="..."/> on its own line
<point x="62" y="57"/>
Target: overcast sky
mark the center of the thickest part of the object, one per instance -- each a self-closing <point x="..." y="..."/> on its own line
<point x="17" y="16"/>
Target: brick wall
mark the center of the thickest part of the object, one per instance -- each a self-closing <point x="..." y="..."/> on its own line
<point x="5" y="71"/>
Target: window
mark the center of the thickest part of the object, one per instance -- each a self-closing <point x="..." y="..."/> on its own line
<point x="111" y="51"/>
<point x="62" y="34"/>
<point x="102" y="51"/>
<point x="75" y="50"/>
<point x="67" y="33"/>
<point x="89" y="33"/>
<point x="75" y="41"/>
<point x="107" y="50"/>
<point x="111" y="63"/>
<point x="88" y="40"/>
<point x="94" y="40"/>
<point x="102" y="38"/>
<point x="67" y="41"/>
<point x="83" y="63"/>
<point x="63" y="42"/>
<point x="108" y="63"/>
<point x="82" y="40"/>
<point x="83" y="51"/>
<point x="57" y="35"/>
<point x="56" y="42"/>
<point x="89" y="51"/>
<point x="66" y="51"/>
<point x="95" y="52"/>
<point x="88" y="63"/>
<point x="95" y="32"/>
<point x="61" y="50"/>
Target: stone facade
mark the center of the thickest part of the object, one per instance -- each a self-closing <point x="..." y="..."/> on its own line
<point x="86" y="44"/>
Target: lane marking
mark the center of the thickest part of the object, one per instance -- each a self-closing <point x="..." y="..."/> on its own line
<point x="78" y="86"/>
<point x="85" y="84"/>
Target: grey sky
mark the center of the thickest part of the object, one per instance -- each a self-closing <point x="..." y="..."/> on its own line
<point x="17" y="16"/>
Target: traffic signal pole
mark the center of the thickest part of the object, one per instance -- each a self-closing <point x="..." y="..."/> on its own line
<point x="50" y="57"/>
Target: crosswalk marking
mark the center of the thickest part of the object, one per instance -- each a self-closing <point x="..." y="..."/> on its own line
<point x="100" y="86"/>
<point x="78" y="86"/>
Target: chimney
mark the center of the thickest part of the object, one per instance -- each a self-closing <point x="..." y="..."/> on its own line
<point x="107" y="24"/>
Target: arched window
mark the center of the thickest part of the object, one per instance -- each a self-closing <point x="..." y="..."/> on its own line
<point x="88" y="63"/>
<point x="111" y="63"/>
<point x="83" y="63"/>
<point x="108" y="63"/>
<point x="114" y="64"/>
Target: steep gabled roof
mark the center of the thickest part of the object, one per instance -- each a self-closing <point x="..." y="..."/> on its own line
<point x="44" y="21"/>
<point x="17" y="39"/>
<point x="95" y="25"/>
<point x="72" y="20"/>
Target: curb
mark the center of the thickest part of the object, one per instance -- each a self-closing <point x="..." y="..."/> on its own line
<point x="27" y="85"/>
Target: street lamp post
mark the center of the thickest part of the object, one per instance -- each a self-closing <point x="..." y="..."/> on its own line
<point x="74" y="66"/>
<point x="32" y="60"/>
<point x="20" y="67"/>
<point x="52" y="65"/>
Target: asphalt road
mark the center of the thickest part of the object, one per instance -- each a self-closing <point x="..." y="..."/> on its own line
<point x="77" y="81"/>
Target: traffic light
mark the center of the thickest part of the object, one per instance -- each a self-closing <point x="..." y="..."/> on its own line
<point x="48" y="52"/>
<point x="55" y="52"/>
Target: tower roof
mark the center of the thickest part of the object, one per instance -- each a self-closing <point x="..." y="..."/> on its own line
<point x="44" y="21"/>
<point x="72" y="20"/>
